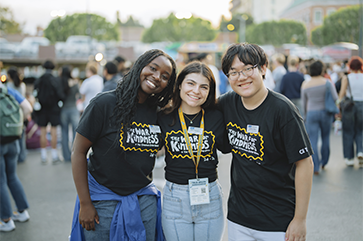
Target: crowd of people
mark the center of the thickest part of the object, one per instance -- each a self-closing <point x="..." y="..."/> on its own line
<point x="269" y="116"/>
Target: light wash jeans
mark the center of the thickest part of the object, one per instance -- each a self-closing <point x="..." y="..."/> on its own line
<point x="352" y="129"/>
<point x="183" y="222"/>
<point x="22" y="146"/>
<point x="69" y="116"/>
<point x="319" y="121"/>
<point x="105" y="210"/>
<point x="9" y="179"/>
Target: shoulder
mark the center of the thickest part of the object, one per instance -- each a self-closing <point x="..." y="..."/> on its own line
<point x="227" y="97"/>
<point x="18" y="97"/>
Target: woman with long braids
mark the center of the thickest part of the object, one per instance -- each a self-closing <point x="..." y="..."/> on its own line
<point x="192" y="130"/>
<point x="116" y="199"/>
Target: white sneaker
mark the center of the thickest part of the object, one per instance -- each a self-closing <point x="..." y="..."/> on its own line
<point x="349" y="162"/>
<point x="360" y="155"/>
<point x="20" y="217"/>
<point x="7" y="227"/>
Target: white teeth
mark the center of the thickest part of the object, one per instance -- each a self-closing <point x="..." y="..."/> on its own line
<point x="193" y="97"/>
<point x="151" y="83"/>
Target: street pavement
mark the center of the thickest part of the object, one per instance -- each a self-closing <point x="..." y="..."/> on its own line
<point x="335" y="210"/>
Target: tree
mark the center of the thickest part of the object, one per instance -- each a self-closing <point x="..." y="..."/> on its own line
<point x="59" y="29"/>
<point x="341" y="26"/>
<point x="174" y="30"/>
<point x="7" y="22"/>
<point x="277" y="33"/>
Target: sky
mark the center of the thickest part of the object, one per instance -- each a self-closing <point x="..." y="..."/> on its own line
<point x="33" y="13"/>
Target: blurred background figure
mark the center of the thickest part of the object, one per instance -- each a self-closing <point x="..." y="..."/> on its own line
<point x="279" y="70"/>
<point x="49" y="94"/>
<point x="111" y="76"/>
<point x="291" y="82"/>
<point x="352" y="120"/>
<point x="9" y="151"/>
<point x="120" y="62"/>
<point x="92" y="85"/>
<point x="317" y="120"/>
<point x="269" y="80"/>
<point x="69" y="112"/>
<point x="15" y="81"/>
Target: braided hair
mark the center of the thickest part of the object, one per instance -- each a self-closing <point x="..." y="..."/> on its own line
<point x="127" y="90"/>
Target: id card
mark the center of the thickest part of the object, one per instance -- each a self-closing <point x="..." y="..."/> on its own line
<point x="154" y="129"/>
<point x="195" y="130"/>
<point x="199" y="191"/>
<point x="252" y="129"/>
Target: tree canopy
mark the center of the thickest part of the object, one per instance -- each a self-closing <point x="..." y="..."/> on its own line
<point x="59" y="29"/>
<point x="7" y="22"/>
<point x="277" y="33"/>
<point x="175" y="30"/>
<point x="341" y="26"/>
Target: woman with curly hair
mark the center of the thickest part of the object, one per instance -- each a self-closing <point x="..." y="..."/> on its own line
<point x="117" y="200"/>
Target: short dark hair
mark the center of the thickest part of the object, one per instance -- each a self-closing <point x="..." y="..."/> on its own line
<point x="111" y="67"/>
<point x="316" y="68"/>
<point x="247" y="53"/>
<point x="48" y="64"/>
<point x="120" y="59"/>
<point x="356" y="63"/>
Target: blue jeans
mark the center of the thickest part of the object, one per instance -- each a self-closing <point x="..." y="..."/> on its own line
<point x="319" y="121"/>
<point x="183" y="222"/>
<point x="69" y="116"/>
<point x="105" y="210"/>
<point x="22" y="146"/>
<point x="9" y="179"/>
<point x="352" y="128"/>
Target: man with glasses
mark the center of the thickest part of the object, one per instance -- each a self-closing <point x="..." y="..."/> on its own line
<point x="272" y="169"/>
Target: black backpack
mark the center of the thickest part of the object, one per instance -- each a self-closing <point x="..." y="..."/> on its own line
<point x="11" y="117"/>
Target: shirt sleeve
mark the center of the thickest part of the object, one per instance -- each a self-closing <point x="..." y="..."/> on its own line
<point x="18" y="97"/>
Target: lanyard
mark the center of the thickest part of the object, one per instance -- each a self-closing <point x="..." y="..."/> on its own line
<point x="187" y="140"/>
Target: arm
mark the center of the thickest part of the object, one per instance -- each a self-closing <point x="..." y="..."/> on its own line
<point x="87" y="212"/>
<point x="26" y="107"/>
<point x="343" y="87"/>
<point x="296" y="230"/>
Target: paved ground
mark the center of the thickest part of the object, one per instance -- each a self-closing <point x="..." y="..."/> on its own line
<point x="335" y="212"/>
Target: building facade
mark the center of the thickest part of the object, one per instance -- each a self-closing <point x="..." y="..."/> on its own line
<point x="312" y="12"/>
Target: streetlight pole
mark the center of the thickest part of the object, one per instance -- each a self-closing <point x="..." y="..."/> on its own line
<point x="242" y="28"/>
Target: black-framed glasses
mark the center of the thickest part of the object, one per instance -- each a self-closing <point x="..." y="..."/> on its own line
<point x="247" y="72"/>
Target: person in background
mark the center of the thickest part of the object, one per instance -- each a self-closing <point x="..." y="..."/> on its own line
<point x="111" y="76"/>
<point x="92" y="85"/>
<point x="272" y="168"/>
<point x="193" y="107"/>
<point x="120" y="62"/>
<point x="15" y="82"/>
<point x="49" y="93"/>
<point x="291" y="82"/>
<point x="317" y="120"/>
<point x="269" y="80"/>
<point x="352" y="128"/>
<point x="9" y="179"/>
<point x="278" y="61"/>
<point x="116" y="196"/>
<point x="69" y="112"/>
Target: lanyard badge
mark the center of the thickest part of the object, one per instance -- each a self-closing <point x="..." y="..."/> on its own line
<point x="198" y="188"/>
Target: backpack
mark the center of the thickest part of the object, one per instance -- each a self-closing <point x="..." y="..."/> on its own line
<point x="11" y="117"/>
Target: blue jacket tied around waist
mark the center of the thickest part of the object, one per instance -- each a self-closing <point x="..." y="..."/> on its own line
<point x="126" y="222"/>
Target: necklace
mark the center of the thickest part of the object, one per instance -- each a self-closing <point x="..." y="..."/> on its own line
<point x="191" y="120"/>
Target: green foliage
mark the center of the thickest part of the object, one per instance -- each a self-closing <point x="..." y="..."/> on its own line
<point x="277" y="33"/>
<point x="175" y="30"/>
<point x="341" y="26"/>
<point x="59" y="29"/>
<point x="235" y="21"/>
<point x="7" y="22"/>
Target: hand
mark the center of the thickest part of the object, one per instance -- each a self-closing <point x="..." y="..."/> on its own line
<point x="296" y="231"/>
<point x="88" y="216"/>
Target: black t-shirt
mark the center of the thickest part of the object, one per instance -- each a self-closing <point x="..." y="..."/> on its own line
<point x="123" y="162"/>
<point x="179" y="165"/>
<point x="265" y="144"/>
